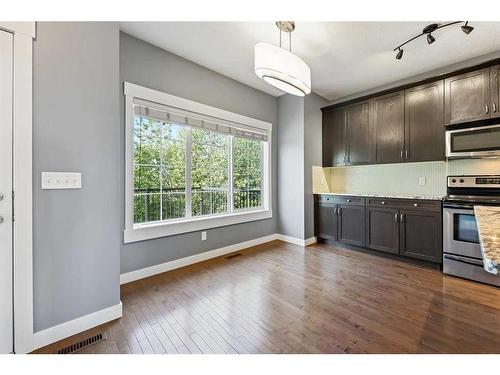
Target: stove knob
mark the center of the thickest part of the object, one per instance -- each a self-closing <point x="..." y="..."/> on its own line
<point x="461" y="180"/>
<point x="453" y="180"/>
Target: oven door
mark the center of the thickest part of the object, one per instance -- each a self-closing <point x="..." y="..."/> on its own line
<point x="473" y="142"/>
<point x="460" y="233"/>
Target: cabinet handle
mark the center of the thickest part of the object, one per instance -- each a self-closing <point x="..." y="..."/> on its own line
<point x="335" y="211"/>
<point x="402" y="218"/>
<point x="382" y="202"/>
<point x="401" y="155"/>
<point x="339" y="211"/>
<point x="406" y="154"/>
<point x="415" y="204"/>
<point x="396" y="218"/>
<point x="348" y="200"/>
<point x="494" y="107"/>
<point x="487" y="108"/>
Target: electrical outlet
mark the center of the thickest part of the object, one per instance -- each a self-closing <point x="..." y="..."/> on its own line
<point x="204" y="236"/>
<point x="421" y="181"/>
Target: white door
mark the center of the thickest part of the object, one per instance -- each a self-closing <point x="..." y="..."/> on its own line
<point x="6" y="293"/>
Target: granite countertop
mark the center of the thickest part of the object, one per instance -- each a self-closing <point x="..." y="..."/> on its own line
<point x="488" y="224"/>
<point x="400" y="196"/>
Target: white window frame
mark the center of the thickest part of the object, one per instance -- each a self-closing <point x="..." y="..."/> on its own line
<point x="139" y="232"/>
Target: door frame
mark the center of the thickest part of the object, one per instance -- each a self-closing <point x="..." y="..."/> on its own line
<point x="23" y="35"/>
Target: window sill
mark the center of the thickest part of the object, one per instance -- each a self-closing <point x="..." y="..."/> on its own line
<point x="146" y="232"/>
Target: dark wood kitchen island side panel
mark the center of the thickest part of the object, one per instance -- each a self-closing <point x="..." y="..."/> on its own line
<point x="405" y="227"/>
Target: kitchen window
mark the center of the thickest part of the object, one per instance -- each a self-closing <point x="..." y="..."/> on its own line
<point x="191" y="167"/>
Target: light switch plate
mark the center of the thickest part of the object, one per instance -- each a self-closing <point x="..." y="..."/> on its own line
<point x="61" y="180"/>
<point x="421" y="181"/>
<point x="204" y="236"/>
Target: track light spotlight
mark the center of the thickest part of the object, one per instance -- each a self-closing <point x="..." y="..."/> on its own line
<point x="430" y="38"/>
<point x="400" y="54"/>
<point x="467" y="29"/>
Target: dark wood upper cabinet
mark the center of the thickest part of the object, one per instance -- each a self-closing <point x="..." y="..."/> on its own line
<point x="339" y="139"/>
<point x="388" y="118"/>
<point x="421" y="235"/>
<point x="334" y="139"/>
<point x="327" y="139"/>
<point x="424" y="122"/>
<point x="382" y="229"/>
<point x="495" y="90"/>
<point x="351" y="224"/>
<point x="358" y="134"/>
<point x="467" y="97"/>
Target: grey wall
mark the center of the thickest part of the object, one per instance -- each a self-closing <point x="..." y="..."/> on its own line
<point x="76" y="127"/>
<point x="291" y="166"/>
<point x="312" y="154"/>
<point x="149" y="66"/>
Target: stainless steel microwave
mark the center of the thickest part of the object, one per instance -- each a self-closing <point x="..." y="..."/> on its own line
<point x="481" y="141"/>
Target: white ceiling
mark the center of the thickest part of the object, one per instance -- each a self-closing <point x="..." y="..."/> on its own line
<point x="345" y="57"/>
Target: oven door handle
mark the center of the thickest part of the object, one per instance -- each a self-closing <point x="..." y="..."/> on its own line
<point x="458" y="258"/>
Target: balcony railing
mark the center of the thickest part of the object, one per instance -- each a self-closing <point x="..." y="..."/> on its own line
<point x="166" y="204"/>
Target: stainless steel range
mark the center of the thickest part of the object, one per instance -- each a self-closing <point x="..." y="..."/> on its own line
<point x="461" y="248"/>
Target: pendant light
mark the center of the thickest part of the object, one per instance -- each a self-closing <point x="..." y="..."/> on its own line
<point x="281" y="68"/>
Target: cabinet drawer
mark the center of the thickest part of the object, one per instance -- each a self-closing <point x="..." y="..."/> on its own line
<point x="415" y="204"/>
<point x="342" y="199"/>
<point x="326" y="199"/>
<point x="382" y="202"/>
<point x="350" y="201"/>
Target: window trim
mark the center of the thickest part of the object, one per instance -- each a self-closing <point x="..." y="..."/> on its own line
<point x="139" y="232"/>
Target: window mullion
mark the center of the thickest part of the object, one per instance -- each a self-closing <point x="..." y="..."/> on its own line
<point x="230" y="192"/>
<point x="188" y="177"/>
<point x="161" y="169"/>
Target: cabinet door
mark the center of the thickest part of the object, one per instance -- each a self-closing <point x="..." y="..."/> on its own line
<point x="358" y="134"/>
<point x="382" y="229"/>
<point x="424" y="122"/>
<point x="421" y="233"/>
<point x="326" y="221"/>
<point x="388" y="122"/>
<point x="467" y="97"/>
<point x="495" y="90"/>
<point x="327" y="139"/>
<point x="334" y="137"/>
<point x="338" y="137"/>
<point x="351" y="225"/>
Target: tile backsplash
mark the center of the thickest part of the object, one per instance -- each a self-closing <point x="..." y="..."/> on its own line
<point x="399" y="178"/>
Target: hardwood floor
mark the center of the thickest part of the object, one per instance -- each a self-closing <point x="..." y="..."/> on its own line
<point x="282" y="298"/>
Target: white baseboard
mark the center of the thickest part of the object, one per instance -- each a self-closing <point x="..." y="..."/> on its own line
<point x="297" y="241"/>
<point x="310" y="241"/>
<point x="64" y="330"/>
<point x="178" y="263"/>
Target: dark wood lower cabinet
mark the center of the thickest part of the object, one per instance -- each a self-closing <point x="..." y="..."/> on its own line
<point x="326" y="221"/>
<point x="351" y="224"/>
<point x="396" y="226"/>
<point x="382" y="229"/>
<point x="421" y="235"/>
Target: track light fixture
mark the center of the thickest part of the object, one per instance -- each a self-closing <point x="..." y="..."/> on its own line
<point x="467" y="29"/>
<point x="400" y="54"/>
<point x="428" y="30"/>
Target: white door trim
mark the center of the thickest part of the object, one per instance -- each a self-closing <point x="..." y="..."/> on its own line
<point x="24" y="33"/>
